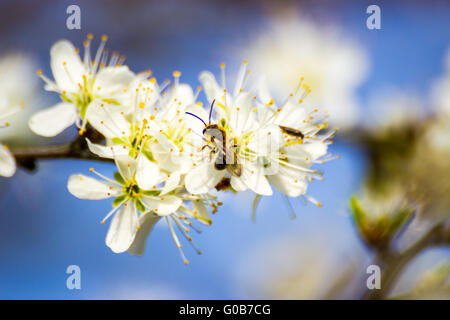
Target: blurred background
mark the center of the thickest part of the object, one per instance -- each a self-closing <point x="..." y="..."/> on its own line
<point x="385" y="201"/>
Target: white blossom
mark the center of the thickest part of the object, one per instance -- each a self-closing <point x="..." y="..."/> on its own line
<point x="246" y="140"/>
<point x="136" y="210"/>
<point x="333" y="65"/>
<point x="79" y="83"/>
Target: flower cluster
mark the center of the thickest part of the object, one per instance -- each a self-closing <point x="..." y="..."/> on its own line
<point x="172" y="153"/>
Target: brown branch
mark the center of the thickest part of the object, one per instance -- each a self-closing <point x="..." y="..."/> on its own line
<point x="392" y="264"/>
<point x="77" y="149"/>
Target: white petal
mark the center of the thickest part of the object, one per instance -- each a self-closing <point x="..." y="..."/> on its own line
<point x="316" y="149"/>
<point x="184" y="94"/>
<point x="67" y="67"/>
<point x="263" y="91"/>
<point x="127" y="166"/>
<point x="238" y="184"/>
<point x="171" y="183"/>
<point x="210" y="85"/>
<point x="266" y="140"/>
<point x="146" y="223"/>
<point x="164" y="205"/>
<point x="106" y="151"/>
<point x="202" y="213"/>
<point x="289" y="182"/>
<point x="203" y="178"/>
<point x="147" y="173"/>
<point x="108" y="119"/>
<point x="123" y="228"/>
<point x="112" y="80"/>
<point x="52" y="121"/>
<point x="241" y="113"/>
<point x="253" y="177"/>
<point x="85" y="187"/>
<point x="7" y="162"/>
<point x="291" y="115"/>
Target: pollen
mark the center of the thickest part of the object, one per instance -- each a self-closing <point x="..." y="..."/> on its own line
<point x="39" y="72"/>
<point x="176" y="74"/>
<point x="104" y="37"/>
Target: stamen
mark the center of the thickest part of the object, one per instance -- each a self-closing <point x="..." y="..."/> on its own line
<point x="177" y="242"/>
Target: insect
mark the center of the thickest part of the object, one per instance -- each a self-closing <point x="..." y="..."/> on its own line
<point x="225" y="148"/>
<point x="292" y="132"/>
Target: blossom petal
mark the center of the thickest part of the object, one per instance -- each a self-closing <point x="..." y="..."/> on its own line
<point x="266" y="140"/>
<point x="203" y="178"/>
<point x="112" y="81"/>
<point x="127" y="166"/>
<point x="52" y="121"/>
<point x="123" y="228"/>
<point x="107" y="119"/>
<point x="7" y="162"/>
<point x="210" y="85"/>
<point x="67" y="67"/>
<point x="146" y="223"/>
<point x="184" y="94"/>
<point x="163" y="206"/>
<point x="106" y="151"/>
<point x="88" y="188"/>
<point x="201" y="212"/>
<point x="253" y="177"/>
<point x="242" y="113"/>
<point x="288" y="182"/>
<point x="147" y="174"/>
<point x="171" y="183"/>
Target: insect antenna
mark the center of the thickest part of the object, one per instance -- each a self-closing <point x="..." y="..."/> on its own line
<point x="197" y="118"/>
<point x="210" y="111"/>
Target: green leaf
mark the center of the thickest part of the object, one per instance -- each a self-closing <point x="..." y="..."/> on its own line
<point x="119" y="199"/>
<point x="399" y="219"/>
<point x="116" y="140"/>
<point x="153" y="193"/>
<point x="140" y="206"/>
<point x="118" y="177"/>
<point x="148" y="155"/>
<point x="358" y="212"/>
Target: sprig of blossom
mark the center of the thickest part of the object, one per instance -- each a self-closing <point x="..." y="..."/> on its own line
<point x="170" y="151"/>
<point x="79" y="83"/>
<point x="273" y="145"/>
<point x="154" y="137"/>
<point x="7" y="161"/>
<point x="135" y="208"/>
<point x="13" y="96"/>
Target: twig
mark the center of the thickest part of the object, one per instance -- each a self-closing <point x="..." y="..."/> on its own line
<point x="393" y="264"/>
<point x="77" y="149"/>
